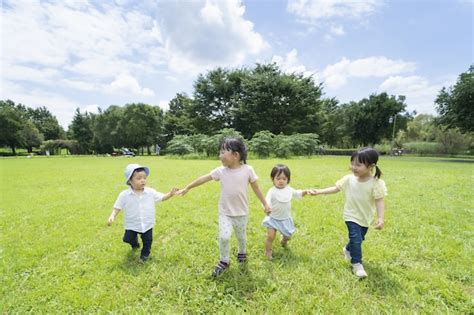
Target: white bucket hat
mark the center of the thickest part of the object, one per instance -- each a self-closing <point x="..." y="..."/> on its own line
<point x="131" y="168"/>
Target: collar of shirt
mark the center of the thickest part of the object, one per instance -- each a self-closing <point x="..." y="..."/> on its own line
<point x="131" y="192"/>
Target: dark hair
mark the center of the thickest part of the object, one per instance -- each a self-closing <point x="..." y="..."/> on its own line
<point x="278" y="169"/>
<point x="235" y="145"/>
<point x="368" y="157"/>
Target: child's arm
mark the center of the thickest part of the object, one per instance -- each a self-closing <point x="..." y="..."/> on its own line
<point x="262" y="199"/>
<point x="199" y="181"/>
<point x="325" y="191"/>
<point x="112" y="216"/>
<point x="171" y="193"/>
<point x="380" y="205"/>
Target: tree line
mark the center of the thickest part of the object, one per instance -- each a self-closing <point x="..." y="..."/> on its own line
<point x="256" y="102"/>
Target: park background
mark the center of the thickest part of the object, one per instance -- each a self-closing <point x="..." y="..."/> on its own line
<point x="306" y="84"/>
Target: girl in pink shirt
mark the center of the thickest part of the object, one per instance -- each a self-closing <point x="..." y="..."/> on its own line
<point x="234" y="176"/>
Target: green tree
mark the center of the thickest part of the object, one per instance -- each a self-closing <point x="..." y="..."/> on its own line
<point x="106" y="129"/>
<point x="368" y="121"/>
<point x="277" y="102"/>
<point x="456" y="104"/>
<point x="141" y="126"/>
<point x="46" y="123"/>
<point x="178" y="119"/>
<point x="30" y="136"/>
<point x="81" y="130"/>
<point x="11" y="123"/>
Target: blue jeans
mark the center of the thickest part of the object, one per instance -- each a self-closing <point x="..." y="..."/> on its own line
<point x="131" y="237"/>
<point x="356" y="236"/>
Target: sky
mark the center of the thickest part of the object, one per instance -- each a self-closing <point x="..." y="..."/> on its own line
<point x="92" y="54"/>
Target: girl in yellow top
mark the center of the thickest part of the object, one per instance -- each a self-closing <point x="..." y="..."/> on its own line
<point x="364" y="192"/>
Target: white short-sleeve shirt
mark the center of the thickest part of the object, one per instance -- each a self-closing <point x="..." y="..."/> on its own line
<point x="280" y="201"/>
<point x="139" y="209"/>
<point x="360" y="198"/>
<point x="234" y="189"/>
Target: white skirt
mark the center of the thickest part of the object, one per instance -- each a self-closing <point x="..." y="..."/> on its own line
<point x="285" y="226"/>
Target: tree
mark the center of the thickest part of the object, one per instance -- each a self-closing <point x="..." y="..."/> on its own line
<point x="215" y="100"/>
<point x="11" y="123"/>
<point x="178" y="119"/>
<point x="30" y="136"/>
<point x="421" y="128"/>
<point x="81" y="130"/>
<point x="368" y="121"/>
<point x="141" y="125"/>
<point x="106" y="129"/>
<point x="456" y="104"/>
<point x="46" y="123"/>
<point x="277" y="102"/>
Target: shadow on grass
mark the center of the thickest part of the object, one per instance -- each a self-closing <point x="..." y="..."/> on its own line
<point x="131" y="264"/>
<point x="380" y="282"/>
<point x="286" y="257"/>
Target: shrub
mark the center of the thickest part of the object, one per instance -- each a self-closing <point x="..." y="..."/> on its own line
<point x="262" y="143"/>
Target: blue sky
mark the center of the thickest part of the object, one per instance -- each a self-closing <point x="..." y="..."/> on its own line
<point x="90" y="54"/>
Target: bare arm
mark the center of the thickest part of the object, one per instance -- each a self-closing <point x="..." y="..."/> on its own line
<point x="112" y="216"/>
<point x="197" y="182"/>
<point x="260" y="196"/>
<point x="171" y="193"/>
<point x="325" y="191"/>
<point x="380" y="205"/>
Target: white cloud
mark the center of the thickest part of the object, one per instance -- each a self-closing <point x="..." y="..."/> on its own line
<point x="125" y="84"/>
<point x="164" y="105"/>
<point x="225" y="39"/>
<point x="312" y="10"/>
<point x="290" y="63"/>
<point x="420" y="92"/>
<point x="336" y="75"/>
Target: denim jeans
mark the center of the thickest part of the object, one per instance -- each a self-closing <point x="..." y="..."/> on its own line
<point x="356" y="236"/>
<point x="131" y="238"/>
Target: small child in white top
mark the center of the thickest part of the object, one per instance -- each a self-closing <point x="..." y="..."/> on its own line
<point x="234" y="176"/>
<point x="364" y="192"/>
<point x="138" y="205"/>
<point x="279" y="198"/>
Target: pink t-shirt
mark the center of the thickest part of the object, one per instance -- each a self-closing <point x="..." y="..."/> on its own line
<point x="234" y="187"/>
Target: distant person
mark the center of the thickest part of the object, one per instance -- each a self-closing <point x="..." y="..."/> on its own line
<point x="138" y="205"/>
<point x="235" y="176"/>
<point x="279" y="198"/>
<point x="364" y="192"/>
<point x="157" y="149"/>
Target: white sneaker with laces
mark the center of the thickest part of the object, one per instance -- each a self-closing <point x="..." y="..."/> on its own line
<point x="346" y="253"/>
<point x="358" y="270"/>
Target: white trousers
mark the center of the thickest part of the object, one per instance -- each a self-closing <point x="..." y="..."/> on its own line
<point x="239" y="225"/>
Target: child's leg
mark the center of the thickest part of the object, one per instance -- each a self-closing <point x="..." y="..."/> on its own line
<point x="271" y="233"/>
<point x="240" y="228"/>
<point x="147" y="239"/>
<point x="131" y="238"/>
<point x="356" y="236"/>
<point x="225" y="231"/>
<point x="284" y="240"/>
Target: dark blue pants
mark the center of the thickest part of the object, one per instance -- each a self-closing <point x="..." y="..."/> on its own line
<point x="131" y="237"/>
<point x="356" y="236"/>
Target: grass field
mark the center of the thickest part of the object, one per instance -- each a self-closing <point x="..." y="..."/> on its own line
<point x="58" y="255"/>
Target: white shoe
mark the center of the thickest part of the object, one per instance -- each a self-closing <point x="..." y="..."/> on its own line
<point x="346" y="253"/>
<point x="358" y="270"/>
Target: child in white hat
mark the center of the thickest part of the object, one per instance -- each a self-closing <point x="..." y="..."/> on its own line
<point x="138" y="205"/>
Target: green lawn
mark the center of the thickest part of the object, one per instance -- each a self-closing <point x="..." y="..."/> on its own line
<point x="58" y="255"/>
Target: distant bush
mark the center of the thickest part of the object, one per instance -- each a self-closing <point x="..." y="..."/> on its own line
<point x="422" y="148"/>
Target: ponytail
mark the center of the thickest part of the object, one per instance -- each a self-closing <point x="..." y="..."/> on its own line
<point x="378" y="172"/>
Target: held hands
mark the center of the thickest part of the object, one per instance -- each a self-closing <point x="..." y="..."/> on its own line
<point x="182" y="192"/>
<point x="379" y="224"/>
<point x="267" y="209"/>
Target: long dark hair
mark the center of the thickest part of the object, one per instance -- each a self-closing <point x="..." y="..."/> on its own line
<point x="235" y="145"/>
<point x="368" y="157"/>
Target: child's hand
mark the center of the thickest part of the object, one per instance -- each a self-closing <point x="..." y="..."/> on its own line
<point x="267" y="209"/>
<point x="110" y="220"/>
<point x="174" y="191"/>
<point x="379" y="224"/>
<point x="182" y="192"/>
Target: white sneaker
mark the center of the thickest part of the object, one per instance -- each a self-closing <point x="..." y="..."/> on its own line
<point x="358" y="270"/>
<point x="346" y="253"/>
